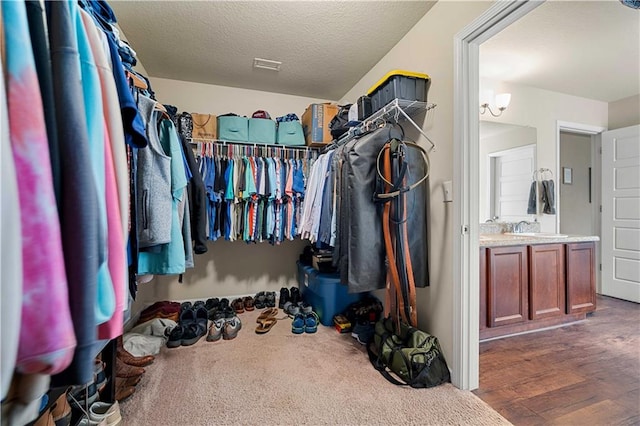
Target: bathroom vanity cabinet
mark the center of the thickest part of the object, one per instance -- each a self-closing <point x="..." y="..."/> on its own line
<point x="528" y="284"/>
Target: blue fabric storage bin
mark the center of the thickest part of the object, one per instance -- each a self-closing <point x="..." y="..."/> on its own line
<point x="325" y="293"/>
<point x="290" y="133"/>
<point x="262" y="130"/>
<point x="233" y="128"/>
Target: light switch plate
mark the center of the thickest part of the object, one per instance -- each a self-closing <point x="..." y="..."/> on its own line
<point x="448" y="191"/>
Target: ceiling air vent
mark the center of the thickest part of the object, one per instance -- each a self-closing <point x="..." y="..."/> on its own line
<point x="266" y="64"/>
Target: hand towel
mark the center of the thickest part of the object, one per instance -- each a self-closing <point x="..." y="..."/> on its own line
<point x="533" y="202"/>
<point x="548" y="197"/>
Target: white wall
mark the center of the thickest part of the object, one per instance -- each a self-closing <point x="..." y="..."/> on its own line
<point x="211" y="99"/>
<point x="542" y="109"/>
<point x="428" y="48"/>
<point x="624" y="112"/>
<point x="575" y="209"/>
<point x="229" y="268"/>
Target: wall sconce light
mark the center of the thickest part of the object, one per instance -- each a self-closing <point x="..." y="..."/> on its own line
<point x="502" y="102"/>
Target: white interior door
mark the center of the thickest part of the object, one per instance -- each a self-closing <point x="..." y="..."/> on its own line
<point x="621" y="213"/>
<point x="512" y="173"/>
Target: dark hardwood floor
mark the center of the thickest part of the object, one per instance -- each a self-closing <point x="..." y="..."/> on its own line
<point x="582" y="374"/>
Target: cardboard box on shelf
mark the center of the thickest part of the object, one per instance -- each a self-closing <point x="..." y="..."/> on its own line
<point x="322" y="262"/>
<point x="315" y="123"/>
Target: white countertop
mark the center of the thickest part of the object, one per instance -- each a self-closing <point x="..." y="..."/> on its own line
<point x="498" y="240"/>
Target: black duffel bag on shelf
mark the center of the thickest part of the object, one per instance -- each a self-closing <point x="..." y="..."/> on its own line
<point x="410" y="354"/>
<point x="339" y="124"/>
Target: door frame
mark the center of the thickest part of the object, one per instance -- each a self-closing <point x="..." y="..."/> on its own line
<point x="466" y="287"/>
<point x="596" y="181"/>
<point x="582" y="129"/>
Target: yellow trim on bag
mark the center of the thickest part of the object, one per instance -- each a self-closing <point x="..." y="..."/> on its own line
<point x="390" y="74"/>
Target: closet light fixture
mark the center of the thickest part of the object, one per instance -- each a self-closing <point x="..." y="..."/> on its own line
<point x="502" y="101"/>
<point x="266" y="64"/>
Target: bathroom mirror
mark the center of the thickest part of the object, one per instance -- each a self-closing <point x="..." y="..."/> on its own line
<point x="507" y="162"/>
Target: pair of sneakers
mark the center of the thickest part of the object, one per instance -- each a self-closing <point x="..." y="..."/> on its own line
<point x="305" y="322"/>
<point x="102" y="414"/>
<point x="191" y="327"/>
<point x="265" y="299"/>
<point x="225" y="328"/>
<point x="291" y="308"/>
<point x="287" y="295"/>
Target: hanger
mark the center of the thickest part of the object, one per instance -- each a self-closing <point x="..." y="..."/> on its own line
<point x="159" y="107"/>
<point x="137" y="81"/>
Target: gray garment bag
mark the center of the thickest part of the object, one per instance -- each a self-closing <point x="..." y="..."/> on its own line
<point x="360" y="251"/>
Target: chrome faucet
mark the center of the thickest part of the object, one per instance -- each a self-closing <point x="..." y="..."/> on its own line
<point x="518" y="228"/>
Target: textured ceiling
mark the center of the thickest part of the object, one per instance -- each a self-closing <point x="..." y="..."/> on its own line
<point x="583" y="48"/>
<point x="325" y="46"/>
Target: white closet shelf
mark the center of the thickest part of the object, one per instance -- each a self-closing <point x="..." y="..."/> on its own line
<point x="397" y="110"/>
<point x="398" y="107"/>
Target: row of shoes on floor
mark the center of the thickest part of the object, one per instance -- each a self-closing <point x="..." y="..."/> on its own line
<point x="262" y="299"/>
<point x="266" y="299"/>
<point x="193" y="322"/>
<point x="193" y="318"/>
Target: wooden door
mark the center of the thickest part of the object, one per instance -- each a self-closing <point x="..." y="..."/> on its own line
<point x="546" y="281"/>
<point x="507" y="285"/>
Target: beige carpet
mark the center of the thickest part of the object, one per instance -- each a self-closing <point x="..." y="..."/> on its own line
<point x="280" y="378"/>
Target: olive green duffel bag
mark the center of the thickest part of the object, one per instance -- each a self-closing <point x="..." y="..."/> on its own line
<point x="412" y="355"/>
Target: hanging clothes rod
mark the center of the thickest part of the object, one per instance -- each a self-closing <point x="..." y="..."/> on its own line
<point x="209" y="148"/>
<point x="250" y="144"/>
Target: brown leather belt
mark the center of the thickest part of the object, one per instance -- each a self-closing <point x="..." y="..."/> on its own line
<point x="400" y="297"/>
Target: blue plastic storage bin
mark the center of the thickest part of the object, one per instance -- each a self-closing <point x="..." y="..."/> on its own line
<point x="233" y="128"/>
<point x="262" y="130"/>
<point x="325" y="293"/>
<point x="290" y="133"/>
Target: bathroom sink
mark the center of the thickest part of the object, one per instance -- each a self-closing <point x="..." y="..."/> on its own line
<point x="536" y="234"/>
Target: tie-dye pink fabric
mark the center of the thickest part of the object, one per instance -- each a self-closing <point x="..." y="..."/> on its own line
<point x="117" y="260"/>
<point x="47" y="339"/>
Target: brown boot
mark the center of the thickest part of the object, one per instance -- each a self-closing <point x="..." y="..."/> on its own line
<point x="121" y="382"/>
<point x="128" y="358"/>
<point x="124" y="392"/>
<point x="61" y="410"/>
<point x="46" y="419"/>
<point x="138" y="361"/>
<point x="125" y="370"/>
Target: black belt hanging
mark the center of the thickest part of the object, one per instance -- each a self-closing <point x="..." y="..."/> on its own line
<point x="400" y="301"/>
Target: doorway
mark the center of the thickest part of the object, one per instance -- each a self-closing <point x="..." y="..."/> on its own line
<point x="466" y="292"/>
<point x="576" y="186"/>
<point x="585" y="190"/>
